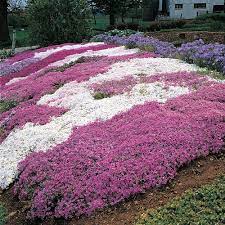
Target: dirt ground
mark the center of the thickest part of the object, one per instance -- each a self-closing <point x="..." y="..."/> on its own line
<point x="194" y="175"/>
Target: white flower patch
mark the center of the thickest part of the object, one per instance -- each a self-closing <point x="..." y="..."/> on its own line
<point x="14" y="80"/>
<point x="45" y="54"/>
<point x="117" y="51"/>
<point x="144" y="66"/>
<point x="84" y="109"/>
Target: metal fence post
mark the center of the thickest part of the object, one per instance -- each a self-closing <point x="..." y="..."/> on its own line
<point x="14" y="41"/>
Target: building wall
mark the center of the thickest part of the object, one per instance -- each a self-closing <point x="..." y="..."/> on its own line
<point x="188" y="11"/>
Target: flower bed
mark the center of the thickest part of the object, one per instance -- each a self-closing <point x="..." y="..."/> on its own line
<point x="87" y="126"/>
<point x="211" y="56"/>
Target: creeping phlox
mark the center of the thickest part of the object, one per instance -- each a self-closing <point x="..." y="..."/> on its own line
<point x="84" y="126"/>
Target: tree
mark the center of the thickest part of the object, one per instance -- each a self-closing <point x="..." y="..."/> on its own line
<point x="4" y="31"/>
<point x="110" y="7"/>
<point x="127" y="5"/>
<point x="115" y="7"/>
<point x="150" y="9"/>
<point x="59" y="21"/>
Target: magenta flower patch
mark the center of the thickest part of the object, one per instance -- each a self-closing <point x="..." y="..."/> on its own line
<point x="187" y="79"/>
<point x="114" y="87"/>
<point x="106" y="162"/>
<point x="19" y="116"/>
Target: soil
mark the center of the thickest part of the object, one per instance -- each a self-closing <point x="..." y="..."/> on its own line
<point x="194" y="175"/>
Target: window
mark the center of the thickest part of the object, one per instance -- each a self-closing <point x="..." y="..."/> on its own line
<point x="178" y="6"/>
<point x="200" y="5"/>
<point x="218" y="8"/>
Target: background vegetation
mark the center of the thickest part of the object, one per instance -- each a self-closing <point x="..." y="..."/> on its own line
<point x="204" y="206"/>
<point x="58" y="22"/>
<point x="2" y="215"/>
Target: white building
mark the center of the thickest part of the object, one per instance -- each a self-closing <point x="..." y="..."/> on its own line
<point x="188" y="9"/>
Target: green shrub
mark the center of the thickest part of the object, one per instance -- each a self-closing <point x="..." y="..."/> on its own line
<point x="131" y="45"/>
<point x="2" y="215"/>
<point x="169" y="24"/>
<point x="117" y="32"/>
<point x="172" y="24"/>
<point x="5" y="44"/>
<point x="59" y="21"/>
<point x="100" y="95"/>
<point x="154" y="26"/>
<point x="125" y="26"/>
<point x="217" y="26"/>
<point x="148" y="48"/>
<point x="4" y="54"/>
<point x="7" y="105"/>
<point x="212" y="73"/>
<point x="212" y="16"/>
<point x="63" y="67"/>
<point x="204" y="206"/>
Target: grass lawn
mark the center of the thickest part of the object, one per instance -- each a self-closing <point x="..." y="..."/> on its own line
<point x="102" y="22"/>
<point x="22" y="37"/>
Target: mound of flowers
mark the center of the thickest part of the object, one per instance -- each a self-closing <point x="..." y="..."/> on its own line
<point x="211" y="56"/>
<point x="85" y="126"/>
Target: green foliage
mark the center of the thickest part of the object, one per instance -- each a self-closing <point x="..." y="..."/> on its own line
<point x="204" y="206"/>
<point x="152" y="26"/>
<point x="2" y="215"/>
<point x="22" y="38"/>
<point x="100" y="95"/>
<point x="196" y="25"/>
<point x="83" y="59"/>
<point x="5" y="44"/>
<point x="59" y="21"/>
<point x="4" y="54"/>
<point x="120" y="33"/>
<point x="7" y="105"/>
<point x="147" y="48"/>
<point x="116" y="7"/>
<point x="62" y="68"/>
<point x="170" y="24"/>
<point x="131" y="45"/>
<point x="2" y="131"/>
<point x="212" y="16"/>
<point x="217" y="26"/>
<point x="125" y="26"/>
<point x="215" y="21"/>
<point x="211" y="73"/>
<point x="17" y="20"/>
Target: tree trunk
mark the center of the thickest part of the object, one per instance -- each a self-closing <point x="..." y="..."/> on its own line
<point x="4" y="31"/>
<point x="122" y="18"/>
<point x="147" y="13"/>
<point x="164" y="7"/>
<point x="112" y="19"/>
